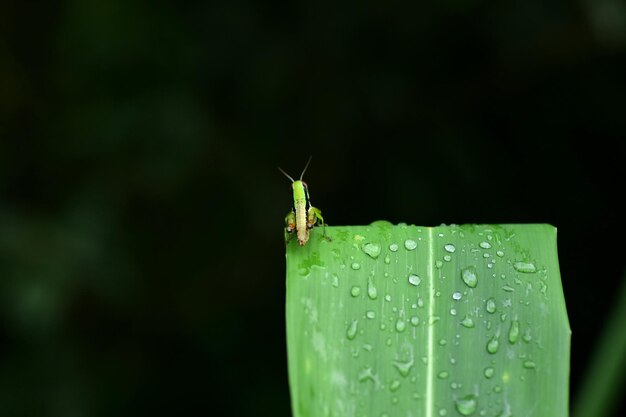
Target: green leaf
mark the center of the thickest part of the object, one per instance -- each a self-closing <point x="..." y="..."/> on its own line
<point x="411" y="321"/>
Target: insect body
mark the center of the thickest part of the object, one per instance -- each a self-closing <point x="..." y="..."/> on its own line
<point x="303" y="216"/>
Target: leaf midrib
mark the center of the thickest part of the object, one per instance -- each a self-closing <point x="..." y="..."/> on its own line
<point x="431" y="329"/>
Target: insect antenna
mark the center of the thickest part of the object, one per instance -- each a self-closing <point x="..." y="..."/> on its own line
<point x="285" y="174"/>
<point x="305" y="167"/>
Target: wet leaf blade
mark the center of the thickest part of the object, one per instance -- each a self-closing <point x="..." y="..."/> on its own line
<point x="415" y="321"/>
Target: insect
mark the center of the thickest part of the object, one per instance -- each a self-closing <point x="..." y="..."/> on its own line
<point x="303" y="216"/>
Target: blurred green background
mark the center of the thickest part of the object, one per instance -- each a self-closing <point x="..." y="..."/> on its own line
<point x="141" y="212"/>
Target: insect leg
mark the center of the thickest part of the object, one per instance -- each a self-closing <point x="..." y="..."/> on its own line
<point x="290" y="221"/>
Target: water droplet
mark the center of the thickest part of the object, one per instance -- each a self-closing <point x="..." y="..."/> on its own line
<point x="367" y="374"/>
<point x="335" y="282"/>
<point x="469" y="276"/>
<point x="410" y="244"/>
<point x="525" y="267"/>
<point x="387" y="259"/>
<point x="467" y="405"/>
<point x="443" y="412"/>
<point x="514" y="331"/>
<point x="527" y="337"/>
<point x="370" y="314"/>
<point x="453" y="311"/>
<point x="355" y="265"/>
<point x="388" y="297"/>
<point x="489" y="372"/>
<point x="388" y="341"/>
<point x="500" y="253"/>
<point x="457" y="295"/>
<point x="467" y="322"/>
<point x="393" y="247"/>
<point x="490" y="306"/>
<point x="443" y="342"/>
<point x="449" y="248"/>
<point x="433" y="319"/>
<point x="400" y="325"/>
<point x="352" y="329"/>
<point x="493" y="345"/>
<point x="497" y="388"/>
<point x="447" y="258"/>
<point x="371" y="249"/>
<point x="372" y="292"/>
<point x="403" y="367"/>
<point x="395" y="384"/>
<point x="443" y="375"/>
<point x="414" y="279"/>
<point x="355" y="291"/>
<point x="485" y="245"/>
<point x="529" y="364"/>
<point x="415" y="320"/>
<point x="508" y="288"/>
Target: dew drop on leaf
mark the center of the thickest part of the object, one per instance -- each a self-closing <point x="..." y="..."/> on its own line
<point x="525" y="267"/>
<point x="372" y="292"/>
<point x="355" y="291"/>
<point x="467" y="322"/>
<point x="414" y="280"/>
<point x="400" y="325"/>
<point x="395" y="384"/>
<point x="371" y="249"/>
<point x="469" y="276"/>
<point x="403" y="367"/>
<point x="529" y="364"/>
<point x="352" y="330"/>
<point x="466" y="406"/>
<point x="514" y="331"/>
<point x="493" y="345"/>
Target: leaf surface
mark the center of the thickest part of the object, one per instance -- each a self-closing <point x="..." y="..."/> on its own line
<point x="397" y="320"/>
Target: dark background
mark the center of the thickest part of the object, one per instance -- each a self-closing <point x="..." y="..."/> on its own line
<point x="141" y="212"/>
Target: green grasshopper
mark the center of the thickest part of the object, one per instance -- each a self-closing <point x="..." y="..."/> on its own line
<point x="301" y="218"/>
